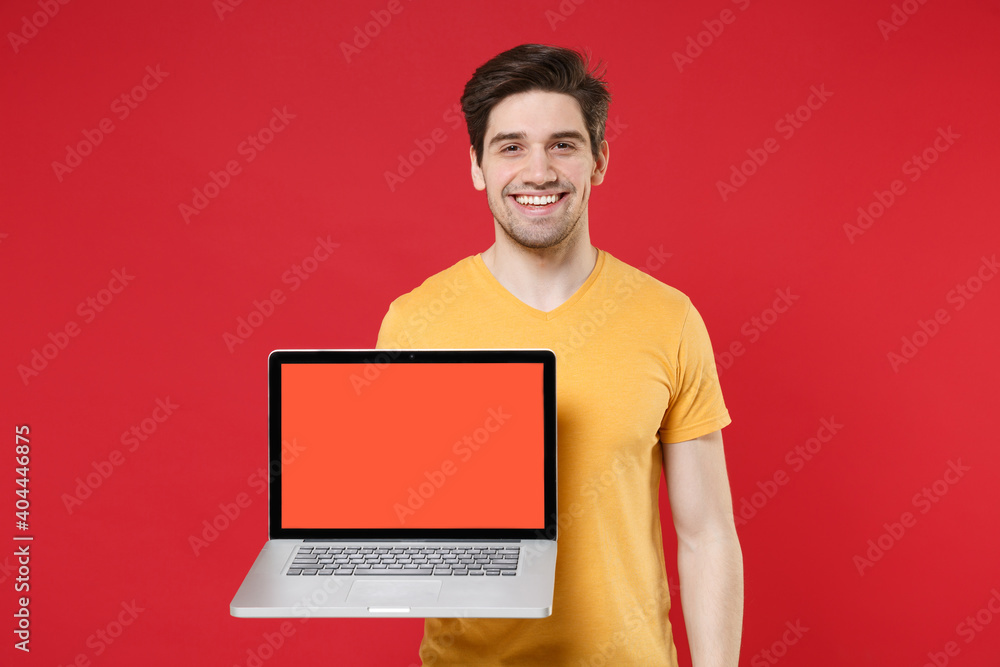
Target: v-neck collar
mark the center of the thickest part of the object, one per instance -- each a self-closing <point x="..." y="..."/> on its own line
<point x="477" y="260"/>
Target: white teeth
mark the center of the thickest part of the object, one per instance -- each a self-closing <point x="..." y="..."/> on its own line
<point x="525" y="200"/>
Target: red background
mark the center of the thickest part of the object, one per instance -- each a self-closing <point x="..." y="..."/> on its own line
<point x="677" y="131"/>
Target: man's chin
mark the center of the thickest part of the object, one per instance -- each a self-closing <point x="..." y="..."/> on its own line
<point x="538" y="241"/>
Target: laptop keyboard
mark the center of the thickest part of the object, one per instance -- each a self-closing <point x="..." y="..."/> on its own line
<point x="405" y="561"/>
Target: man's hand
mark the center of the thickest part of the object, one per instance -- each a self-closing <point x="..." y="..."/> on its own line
<point x="709" y="558"/>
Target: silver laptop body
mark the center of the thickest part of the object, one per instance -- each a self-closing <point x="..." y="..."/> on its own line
<point x="408" y="483"/>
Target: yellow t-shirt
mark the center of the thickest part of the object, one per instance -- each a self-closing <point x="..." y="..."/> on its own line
<point x="634" y="368"/>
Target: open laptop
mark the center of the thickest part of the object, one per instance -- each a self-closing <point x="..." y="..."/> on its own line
<point x="408" y="483"/>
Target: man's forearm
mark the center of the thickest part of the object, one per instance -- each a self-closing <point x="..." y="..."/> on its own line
<point x="711" y="573"/>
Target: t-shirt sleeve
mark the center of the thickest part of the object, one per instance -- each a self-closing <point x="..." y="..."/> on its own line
<point x="393" y="335"/>
<point x="388" y="332"/>
<point x="696" y="406"/>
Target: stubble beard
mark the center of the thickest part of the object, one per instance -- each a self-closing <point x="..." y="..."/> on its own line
<point x="535" y="233"/>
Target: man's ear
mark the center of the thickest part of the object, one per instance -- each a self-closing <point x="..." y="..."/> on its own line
<point x="478" y="180"/>
<point x="601" y="166"/>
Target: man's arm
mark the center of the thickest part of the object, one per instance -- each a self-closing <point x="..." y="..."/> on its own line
<point x="709" y="558"/>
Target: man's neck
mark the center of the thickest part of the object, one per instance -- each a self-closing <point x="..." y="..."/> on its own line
<point x="543" y="279"/>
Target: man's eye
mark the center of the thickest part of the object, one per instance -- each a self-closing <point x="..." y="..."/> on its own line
<point x="562" y="145"/>
<point x="508" y="149"/>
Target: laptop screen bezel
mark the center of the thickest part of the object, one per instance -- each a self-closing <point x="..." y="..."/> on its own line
<point x="376" y="358"/>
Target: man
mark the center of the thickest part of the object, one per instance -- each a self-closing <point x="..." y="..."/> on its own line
<point x="636" y="381"/>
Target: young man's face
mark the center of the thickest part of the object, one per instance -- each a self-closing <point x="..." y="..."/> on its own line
<point x="537" y="145"/>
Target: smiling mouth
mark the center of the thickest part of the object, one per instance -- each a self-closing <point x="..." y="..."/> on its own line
<point x="538" y="202"/>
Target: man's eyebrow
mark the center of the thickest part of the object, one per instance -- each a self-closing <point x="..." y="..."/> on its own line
<point x="512" y="136"/>
<point x="507" y="136"/>
<point x="569" y="134"/>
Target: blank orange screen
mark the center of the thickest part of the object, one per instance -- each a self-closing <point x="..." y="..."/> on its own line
<point x="412" y="445"/>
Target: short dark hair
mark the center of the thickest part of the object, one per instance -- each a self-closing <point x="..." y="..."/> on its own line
<point x="536" y="67"/>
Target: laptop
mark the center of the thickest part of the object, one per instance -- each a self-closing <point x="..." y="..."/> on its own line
<point x="408" y="483"/>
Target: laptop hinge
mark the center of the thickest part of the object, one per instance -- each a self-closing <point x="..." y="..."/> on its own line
<point x="412" y="539"/>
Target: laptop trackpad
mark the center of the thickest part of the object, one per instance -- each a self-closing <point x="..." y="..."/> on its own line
<point x="366" y="593"/>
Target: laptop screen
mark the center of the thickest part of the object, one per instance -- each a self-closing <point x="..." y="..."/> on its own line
<point x="398" y="446"/>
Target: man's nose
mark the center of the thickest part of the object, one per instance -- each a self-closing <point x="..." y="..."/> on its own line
<point x="538" y="168"/>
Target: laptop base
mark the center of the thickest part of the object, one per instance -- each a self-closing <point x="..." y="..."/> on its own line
<point x="268" y="592"/>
